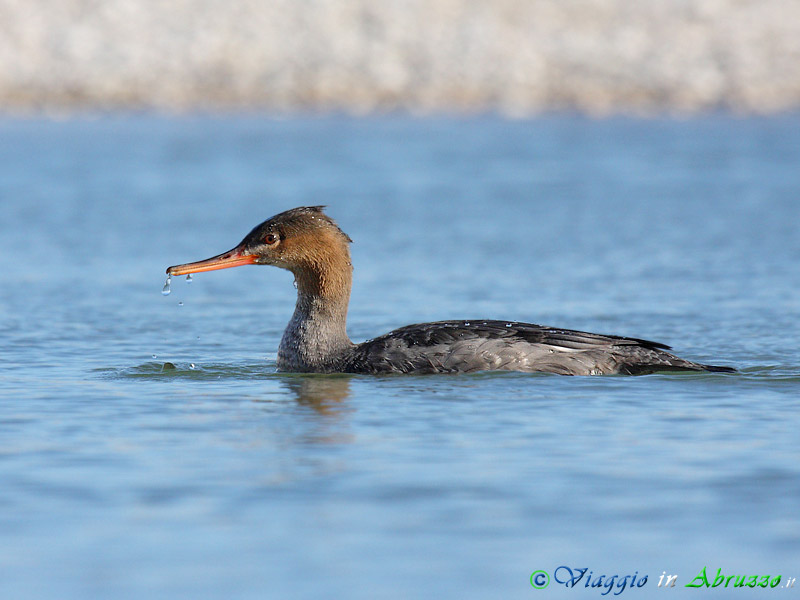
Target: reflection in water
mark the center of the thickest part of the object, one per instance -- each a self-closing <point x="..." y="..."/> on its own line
<point x="326" y="395"/>
<point x="323" y="393"/>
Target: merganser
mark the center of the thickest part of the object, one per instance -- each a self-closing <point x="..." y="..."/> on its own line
<point x="311" y="245"/>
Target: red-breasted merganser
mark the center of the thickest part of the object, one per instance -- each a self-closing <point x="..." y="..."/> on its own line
<point x="311" y="245"/>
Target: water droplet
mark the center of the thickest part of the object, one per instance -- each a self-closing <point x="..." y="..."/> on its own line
<point x="189" y="279"/>
<point x="180" y="303"/>
<point x="165" y="290"/>
<point x="191" y="366"/>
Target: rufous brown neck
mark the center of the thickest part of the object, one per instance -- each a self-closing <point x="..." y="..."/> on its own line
<point x="317" y="332"/>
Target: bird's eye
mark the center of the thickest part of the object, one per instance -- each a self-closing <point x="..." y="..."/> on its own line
<point x="271" y="238"/>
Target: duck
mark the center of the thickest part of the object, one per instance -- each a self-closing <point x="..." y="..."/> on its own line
<point x="310" y="244"/>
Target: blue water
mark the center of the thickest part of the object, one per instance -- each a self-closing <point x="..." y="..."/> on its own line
<point x="120" y="478"/>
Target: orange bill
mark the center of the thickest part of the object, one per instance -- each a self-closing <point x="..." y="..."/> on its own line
<point x="226" y="260"/>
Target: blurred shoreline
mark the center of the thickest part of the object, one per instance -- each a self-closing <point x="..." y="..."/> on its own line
<point x="512" y="57"/>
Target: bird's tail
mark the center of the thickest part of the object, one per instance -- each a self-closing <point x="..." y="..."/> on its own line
<point x="717" y="369"/>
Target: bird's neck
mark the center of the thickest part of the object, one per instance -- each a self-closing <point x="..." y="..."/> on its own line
<point x="316" y="337"/>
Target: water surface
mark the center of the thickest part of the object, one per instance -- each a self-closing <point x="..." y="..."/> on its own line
<point x="120" y="478"/>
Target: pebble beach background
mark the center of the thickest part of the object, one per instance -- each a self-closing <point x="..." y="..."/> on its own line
<point x="516" y="57"/>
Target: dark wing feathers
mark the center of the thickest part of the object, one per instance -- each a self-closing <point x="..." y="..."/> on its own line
<point x="428" y="334"/>
<point x="463" y="346"/>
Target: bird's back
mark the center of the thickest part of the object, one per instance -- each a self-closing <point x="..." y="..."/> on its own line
<point x="468" y="346"/>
